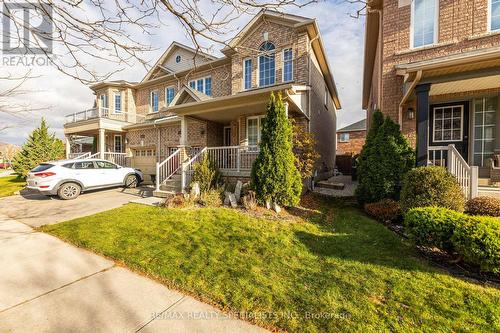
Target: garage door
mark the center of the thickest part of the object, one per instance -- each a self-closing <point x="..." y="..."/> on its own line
<point x="145" y="159"/>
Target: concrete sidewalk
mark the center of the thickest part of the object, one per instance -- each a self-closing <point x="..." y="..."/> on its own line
<point x="47" y="285"/>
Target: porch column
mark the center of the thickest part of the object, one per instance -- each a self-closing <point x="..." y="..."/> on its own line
<point x="183" y="138"/>
<point x="286" y="109"/>
<point x="102" y="142"/>
<point x="67" y="145"/>
<point x="422" y="92"/>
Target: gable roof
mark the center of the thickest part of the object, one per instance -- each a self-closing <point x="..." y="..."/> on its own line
<point x="294" y="21"/>
<point x="187" y="91"/>
<point x="170" y="50"/>
<point x="357" y="126"/>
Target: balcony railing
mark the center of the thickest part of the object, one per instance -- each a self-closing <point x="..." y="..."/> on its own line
<point x="107" y="113"/>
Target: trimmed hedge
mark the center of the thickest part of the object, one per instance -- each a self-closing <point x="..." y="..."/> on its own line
<point x="475" y="238"/>
<point x="431" y="186"/>
<point x="432" y="226"/>
<point x="483" y="206"/>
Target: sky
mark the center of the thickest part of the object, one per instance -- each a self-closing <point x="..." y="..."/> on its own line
<point x="57" y="94"/>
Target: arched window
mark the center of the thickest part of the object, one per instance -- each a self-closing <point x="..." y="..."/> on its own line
<point x="267" y="64"/>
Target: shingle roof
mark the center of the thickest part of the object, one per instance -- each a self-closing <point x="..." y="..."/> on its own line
<point x="358" y="126"/>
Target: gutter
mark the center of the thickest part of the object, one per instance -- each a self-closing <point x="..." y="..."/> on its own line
<point x="407" y="95"/>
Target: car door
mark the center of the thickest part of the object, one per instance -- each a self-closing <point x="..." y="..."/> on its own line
<point x="87" y="173"/>
<point x="109" y="173"/>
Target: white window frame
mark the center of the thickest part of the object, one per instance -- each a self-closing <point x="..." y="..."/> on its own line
<point x="166" y="94"/>
<point x="105" y="99"/>
<point x="461" y="123"/>
<point x="117" y="93"/>
<point x="283" y="64"/>
<point x="114" y="143"/>
<point x="436" y="26"/>
<point x="258" y="69"/>
<point x="151" y="101"/>
<point x="345" y="140"/>
<point x="490" y="12"/>
<point x="259" y="126"/>
<point x="243" y="76"/>
<point x="204" y="78"/>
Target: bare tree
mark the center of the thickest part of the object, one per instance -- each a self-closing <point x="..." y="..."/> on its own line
<point x="112" y="31"/>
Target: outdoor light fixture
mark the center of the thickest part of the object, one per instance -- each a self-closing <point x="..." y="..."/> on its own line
<point x="410" y="113"/>
<point x="142" y="139"/>
<point x="179" y="133"/>
<point x="202" y="131"/>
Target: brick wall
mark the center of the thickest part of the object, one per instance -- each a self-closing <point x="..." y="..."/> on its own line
<point x="354" y="145"/>
<point x="462" y="27"/>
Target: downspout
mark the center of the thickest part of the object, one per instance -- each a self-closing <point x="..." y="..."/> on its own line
<point x="309" y="80"/>
<point x="407" y="95"/>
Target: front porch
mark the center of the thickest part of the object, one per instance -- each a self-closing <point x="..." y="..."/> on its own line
<point x="453" y="103"/>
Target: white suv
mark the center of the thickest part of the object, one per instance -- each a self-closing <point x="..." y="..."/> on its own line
<point x="69" y="178"/>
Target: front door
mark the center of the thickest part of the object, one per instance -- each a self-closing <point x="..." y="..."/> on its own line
<point x="449" y="124"/>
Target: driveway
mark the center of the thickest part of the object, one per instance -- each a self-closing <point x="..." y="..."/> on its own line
<point x="34" y="209"/>
<point x="47" y="285"/>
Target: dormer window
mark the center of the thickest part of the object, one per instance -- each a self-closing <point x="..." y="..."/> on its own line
<point x="267" y="64"/>
<point x="424" y="22"/>
<point x="494" y="15"/>
<point x="178" y="59"/>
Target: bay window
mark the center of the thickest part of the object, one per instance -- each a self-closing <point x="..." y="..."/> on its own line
<point x="118" y="102"/>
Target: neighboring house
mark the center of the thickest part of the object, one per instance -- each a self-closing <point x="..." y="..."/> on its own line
<point x="434" y="67"/>
<point x="191" y="103"/>
<point x="351" y="138"/>
<point x="7" y="153"/>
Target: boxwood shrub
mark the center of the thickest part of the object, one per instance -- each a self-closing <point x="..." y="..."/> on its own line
<point x="431" y="186"/>
<point x="475" y="238"/>
<point x="432" y="226"/>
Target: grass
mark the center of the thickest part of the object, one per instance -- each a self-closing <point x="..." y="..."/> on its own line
<point x="11" y="184"/>
<point x="333" y="269"/>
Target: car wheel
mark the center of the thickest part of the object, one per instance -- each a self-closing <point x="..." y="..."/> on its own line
<point x="131" y="181"/>
<point x="69" y="191"/>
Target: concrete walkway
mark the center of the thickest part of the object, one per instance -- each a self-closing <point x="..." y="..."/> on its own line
<point x="47" y="285"/>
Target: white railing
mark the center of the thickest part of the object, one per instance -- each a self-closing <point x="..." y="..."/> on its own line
<point x="227" y="159"/>
<point x="78" y="156"/>
<point x="117" y="158"/>
<point x="101" y="112"/>
<point x="167" y="168"/>
<point x="96" y="155"/>
<point x="449" y="157"/>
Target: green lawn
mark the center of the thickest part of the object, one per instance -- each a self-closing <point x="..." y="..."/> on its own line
<point x="11" y="184"/>
<point x="333" y="270"/>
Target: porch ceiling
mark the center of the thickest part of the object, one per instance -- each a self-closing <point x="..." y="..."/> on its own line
<point x="459" y="86"/>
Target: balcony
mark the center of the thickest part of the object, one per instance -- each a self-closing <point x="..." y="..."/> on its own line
<point x="106" y="113"/>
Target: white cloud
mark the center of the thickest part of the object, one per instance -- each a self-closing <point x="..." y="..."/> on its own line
<point x="62" y="95"/>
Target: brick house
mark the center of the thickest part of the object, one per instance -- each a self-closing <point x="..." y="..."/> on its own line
<point x="434" y="67"/>
<point x="191" y="103"/>
<point x="351" y="138"/>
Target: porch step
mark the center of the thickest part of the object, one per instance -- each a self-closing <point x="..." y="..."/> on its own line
<point x="493" y="192"/>
<point x="172" y="184"/>
<point x="330" y="185"/>
<point x="163" y="194"/>
<point x="483" y="182"/>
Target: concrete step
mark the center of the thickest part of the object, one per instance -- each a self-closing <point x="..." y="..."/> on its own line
<point x="163" y="194"/>
<point x="330" y="185"/>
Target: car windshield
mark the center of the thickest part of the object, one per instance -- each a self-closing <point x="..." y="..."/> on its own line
<point x="42" y="167"/>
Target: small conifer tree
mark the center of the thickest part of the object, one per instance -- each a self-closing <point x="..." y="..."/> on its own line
<point x="274" y="174"/>
<point x="41" y="146"/>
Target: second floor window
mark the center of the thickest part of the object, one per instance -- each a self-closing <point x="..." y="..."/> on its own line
<point x="118" y="102"/>
<point x="424" y="22"/>
<point x="104" y="101"/>
<point x="494" y="15"/>
<point x="203" y="85"/>
<point x="287" y="65"/>
<point x="247" y="74"/>
<point x="267" y="65"/>
<point x="169" y="95"/>
<point x="154" y="101"/>
<point x="344" y="137"/>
